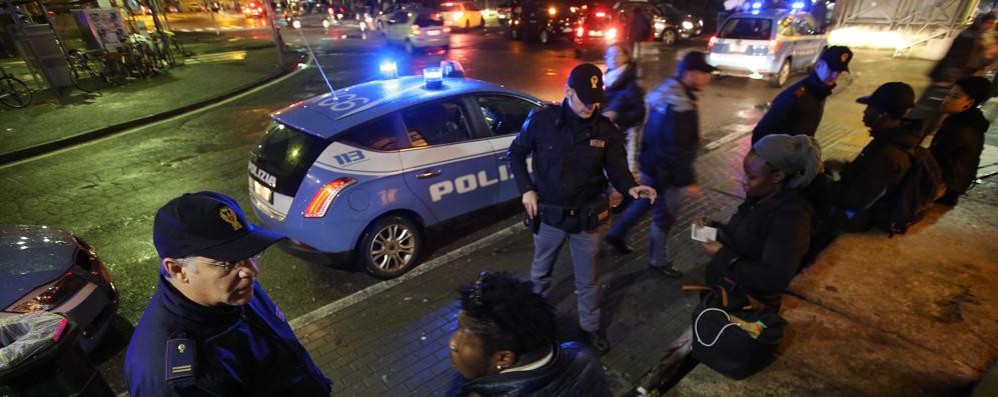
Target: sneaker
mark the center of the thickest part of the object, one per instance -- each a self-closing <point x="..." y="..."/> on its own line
<point x="597" y="341"/>
<point x="618" y="245"/>
<point x="667" y="270"/>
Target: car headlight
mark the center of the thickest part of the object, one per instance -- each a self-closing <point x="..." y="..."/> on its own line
<point x="687" y="25"/>
<point x="68" y="285"/>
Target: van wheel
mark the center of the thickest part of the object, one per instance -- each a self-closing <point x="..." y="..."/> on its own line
<point x="544" y="38"/>
<point x="781" y="77"/>
<point x="390" y="246"/>
<point x="669" y="37"/>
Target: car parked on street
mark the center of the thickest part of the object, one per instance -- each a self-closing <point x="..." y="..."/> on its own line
<point x="43" y="268"/>
<point x="767" y="44"/>
<point x="381" y="21"/>
<point x="669" y="24"/>
<point x="542" y="21"/>
<point x="462" y="15"/>
<point x="254" y="9"/>
<point x="595" y="31"/>
<point x="374" y="168"/>
<point x="417" y="30"/>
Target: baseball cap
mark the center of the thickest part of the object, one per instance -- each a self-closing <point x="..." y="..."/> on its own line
<point x="837" y="58"/>
<point x="208" y="224"/>
<point x="695" y="60"/>
<point x="587" y="81"/>
<point x="894" y="98"/>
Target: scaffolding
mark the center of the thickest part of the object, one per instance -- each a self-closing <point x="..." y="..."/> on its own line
<point x="916" y="21"/>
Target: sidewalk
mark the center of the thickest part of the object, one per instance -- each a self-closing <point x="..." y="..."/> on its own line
<point x="48" y="125"/>
<point x="910" y="315"/>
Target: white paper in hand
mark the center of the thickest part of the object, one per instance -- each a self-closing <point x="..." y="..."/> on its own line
<point x="704" y="234"/>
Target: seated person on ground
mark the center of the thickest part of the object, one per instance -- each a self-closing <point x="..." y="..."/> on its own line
<point x="958" y="143"/>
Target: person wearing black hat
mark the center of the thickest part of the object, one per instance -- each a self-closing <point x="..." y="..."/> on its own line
<point x="958" y="143"/>
<point x="574" y="149"/>
<point x="798" y="109"/>
<point x="668" y="150"/>
<point x="882" y="163"/>
<point x="209" y="328"/>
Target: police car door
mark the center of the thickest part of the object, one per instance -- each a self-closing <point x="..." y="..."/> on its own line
<point x="503" y="115"/>
<point x="447" y="168"/>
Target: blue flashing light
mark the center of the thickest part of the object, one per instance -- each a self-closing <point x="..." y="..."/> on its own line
<point x="433" y="77"/>
<point x="755" y="12"/>
<point x="757" y="5"/>
<point x="797" y="5"/>
<point x="389" y="69"/>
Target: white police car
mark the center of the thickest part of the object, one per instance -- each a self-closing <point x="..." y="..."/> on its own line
<point x="370" y="169"/>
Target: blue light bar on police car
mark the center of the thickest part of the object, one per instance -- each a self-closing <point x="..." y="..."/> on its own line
<point x="433" y="77"/>
<point x="757" y="5"/>
<point x="389" y="69"/>
<point x="451" y="69"/>
<point x="797" y="5"/>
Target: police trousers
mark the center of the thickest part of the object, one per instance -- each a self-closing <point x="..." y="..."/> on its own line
<point x="584" y="248"/>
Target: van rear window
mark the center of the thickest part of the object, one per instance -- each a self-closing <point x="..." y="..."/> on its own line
<point x="747" y="29"/>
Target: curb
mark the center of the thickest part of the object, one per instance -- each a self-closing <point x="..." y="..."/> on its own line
<point x="87" y="136"/>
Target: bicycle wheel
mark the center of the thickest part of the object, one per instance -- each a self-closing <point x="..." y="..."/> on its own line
<point x="86" y="79"/>
<point x="14" y="92"/>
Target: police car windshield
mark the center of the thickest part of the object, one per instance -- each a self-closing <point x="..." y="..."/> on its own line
<point x="747" y="29"/>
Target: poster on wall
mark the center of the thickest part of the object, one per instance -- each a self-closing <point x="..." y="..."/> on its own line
<point x="105" y="26"/>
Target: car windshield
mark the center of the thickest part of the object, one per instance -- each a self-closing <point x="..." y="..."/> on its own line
<point x="424" y="20"/>
<point x="747" y="28"/>
<point x="595" y="21"/>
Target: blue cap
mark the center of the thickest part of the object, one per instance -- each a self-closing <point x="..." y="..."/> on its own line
<point x="208" y="224"/>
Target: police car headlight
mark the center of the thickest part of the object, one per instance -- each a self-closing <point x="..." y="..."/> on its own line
<point x="433" y="77"/>
<point x="54" y="295"/>
<point x="325" y="196"/>
<point x="687" y="25"/>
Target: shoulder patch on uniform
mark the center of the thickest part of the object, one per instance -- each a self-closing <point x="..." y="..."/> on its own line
<point x="800" y="91"/>
<point x="180" y="359"/>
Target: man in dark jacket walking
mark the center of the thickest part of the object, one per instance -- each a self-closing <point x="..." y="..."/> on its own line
<point x="574" y="149"/>
<point x="668" y="151"/>
<point x="879" y="167"/>
<point x="798" y="109"/>
<point x="958" y="143"/>
<point x="638" y="30"/>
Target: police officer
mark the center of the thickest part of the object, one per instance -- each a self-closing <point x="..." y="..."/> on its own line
<point x="574" y="149"/>
<point x="209" y="328"/>
<point x="798" y="109"/>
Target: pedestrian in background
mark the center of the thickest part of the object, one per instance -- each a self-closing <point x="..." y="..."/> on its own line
<point x="798" y="108"/>
<point x="881" y="164"/>
<point x="958" y="143"/>
<point x="668" y="150"/>
<point x="209" y="328"/>
<point x="759" y="250"/>
<point x="505" y="345"/>
<point x="574" y="149"/>
<point x="638" y="30"/>
<point x="625" y="99"/>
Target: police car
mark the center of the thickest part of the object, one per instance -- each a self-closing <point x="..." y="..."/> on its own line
<point x="766" y="44"/>
<point x="369" y="169"/>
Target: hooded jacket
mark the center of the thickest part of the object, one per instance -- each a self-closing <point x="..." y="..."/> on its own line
<point x="957" y="147"/>
<point x="797" y="110"/>
<point x="573" y="372"/>
<point x="765" y="242"/>
<point x="625" y="96"/>
<point x="671" y="136"/>
<point x="878" y="168"/>
<point x="247" y="350"/>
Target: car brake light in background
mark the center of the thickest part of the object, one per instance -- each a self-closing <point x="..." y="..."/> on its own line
<point x="600" y="14"/>
<point x="325" y="196"/>
<point x="611" y="34"/>
<point x="774" y="46"/>
<point x="53" y="296"/>
<point x="415" y="29"/>
<point x="711" y="42"/>
<point x="580" y="32"/>
<point x="552" y="11"/>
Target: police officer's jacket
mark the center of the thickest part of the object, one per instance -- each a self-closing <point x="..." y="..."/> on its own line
<point x="795" y="111"/>
<point x="571" y="157"/>
<point x="180" y="348"/>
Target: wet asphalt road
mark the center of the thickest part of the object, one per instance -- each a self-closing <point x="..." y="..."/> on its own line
<point x="107" y="191"/>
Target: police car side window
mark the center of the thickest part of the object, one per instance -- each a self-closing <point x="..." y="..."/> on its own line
<point x="436" y="123"/>
<point x="380" y="134"/>
<point x="504" y="114"/>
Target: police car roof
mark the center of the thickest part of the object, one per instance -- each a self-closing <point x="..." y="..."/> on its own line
<point x="325" y="116"/>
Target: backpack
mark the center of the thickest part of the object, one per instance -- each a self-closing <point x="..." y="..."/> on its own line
<point x="912" y="197"/>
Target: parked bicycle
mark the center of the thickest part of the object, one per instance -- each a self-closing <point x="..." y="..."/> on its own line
<point x="13" y="92"/>
<point x="85" y="74"/>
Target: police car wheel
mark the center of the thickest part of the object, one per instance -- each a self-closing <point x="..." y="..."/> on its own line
<point x="781" y="77"/>
<point x="390" y="246"/>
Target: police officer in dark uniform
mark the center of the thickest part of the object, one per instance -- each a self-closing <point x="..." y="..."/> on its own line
<point x="574" y="149"/>
<point x="798" y="109"/>
<point x="209" y="328"/>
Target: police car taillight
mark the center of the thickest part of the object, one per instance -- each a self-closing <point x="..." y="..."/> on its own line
<point x="325" y="196"/>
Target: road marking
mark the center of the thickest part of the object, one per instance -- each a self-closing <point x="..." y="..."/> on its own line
<point x="359" y="296"/>
<point x="738" y="133"/>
